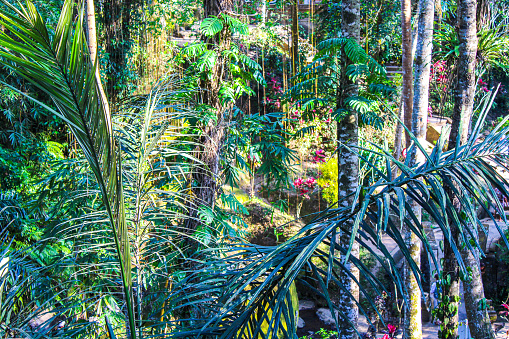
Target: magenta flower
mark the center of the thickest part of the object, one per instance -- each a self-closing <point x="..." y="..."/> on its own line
<point x="392" y="329"/>
<point x="298" y="182"/>
<point x="319" y="156"/>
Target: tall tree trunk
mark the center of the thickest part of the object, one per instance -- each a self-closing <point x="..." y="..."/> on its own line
<point x="348" y="170"/>
<point x="91" y="33"/>
<point x="478" y="320"/>
<point x="205" y="178"/>
<point x="422" y="65"/>
<point x="406" y="64"/>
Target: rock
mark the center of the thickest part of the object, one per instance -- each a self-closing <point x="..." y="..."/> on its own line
<point x="325" y="315"/>
<point x="306" y="305"/>
<point x="301" y="323"/>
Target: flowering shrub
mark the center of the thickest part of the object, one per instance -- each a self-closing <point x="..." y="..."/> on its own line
<point x="439" y="87"/>
<point x="439" y="72"/>
<point x="483" y="85"/>
<point x="319" y="156"/>
<point x="305" y="186"/>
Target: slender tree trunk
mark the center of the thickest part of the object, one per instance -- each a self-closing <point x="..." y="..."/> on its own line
<point x="92" y="48"/>
<point x="422" y="65"/>
<point x="205" y="177"/>
<point x="348" y="170"/>
<point x="478" y="320"/>
<point x="406" y="64"/>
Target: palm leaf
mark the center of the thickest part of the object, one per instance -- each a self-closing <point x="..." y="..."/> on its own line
<point x="60" y="66"/>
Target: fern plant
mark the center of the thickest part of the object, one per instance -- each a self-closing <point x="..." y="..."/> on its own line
<point x="324" y="73"/>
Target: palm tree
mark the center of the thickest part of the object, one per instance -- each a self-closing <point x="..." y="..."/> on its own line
<point x="139" y="161"/>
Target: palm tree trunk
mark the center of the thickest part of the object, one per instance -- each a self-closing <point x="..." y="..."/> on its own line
<point x="92" y="49"/>
<point x="348" y="172"/>
<point x="422" y="65"/>
<point x="406" y="64"/>
<point x="478" y="320"/>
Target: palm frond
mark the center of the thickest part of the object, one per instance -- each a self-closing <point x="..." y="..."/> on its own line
<point x="247" y="277"/>
<point x="60" y="66"/>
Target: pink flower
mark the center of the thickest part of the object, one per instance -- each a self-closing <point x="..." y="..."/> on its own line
<point x="304" y="186"/>
<point x="310" y="182"/>
<point x="328" y="120"/>
<point x="403" y="153"/>
<point x="330" y="110"/>
<point x="485" y="89"/>
<point x="386" y="336"/>
<point x="392" y="329"/>
<point x="319" y="156"/>
<point x="298" y="182"/>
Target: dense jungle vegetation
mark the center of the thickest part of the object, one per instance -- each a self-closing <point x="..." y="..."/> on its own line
<point x="254" y="169"/>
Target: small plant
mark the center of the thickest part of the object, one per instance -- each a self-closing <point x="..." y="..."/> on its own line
<point x="304" y="187"/>
<point x="323" y="334"/>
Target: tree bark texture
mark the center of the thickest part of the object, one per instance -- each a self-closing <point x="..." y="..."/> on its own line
<point x="92" y="49"/>
<point x="348" y="172"/>
<point x="406" y="64"/>
<point x="422" y="65"/>
<point x="478" y="320"/>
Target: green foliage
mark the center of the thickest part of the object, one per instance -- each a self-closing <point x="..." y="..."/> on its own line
<point x="324" y="72"/>
<point x="492" y="45"/>
<point x="323" y="334"/>
<point x="328" y="180"/>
